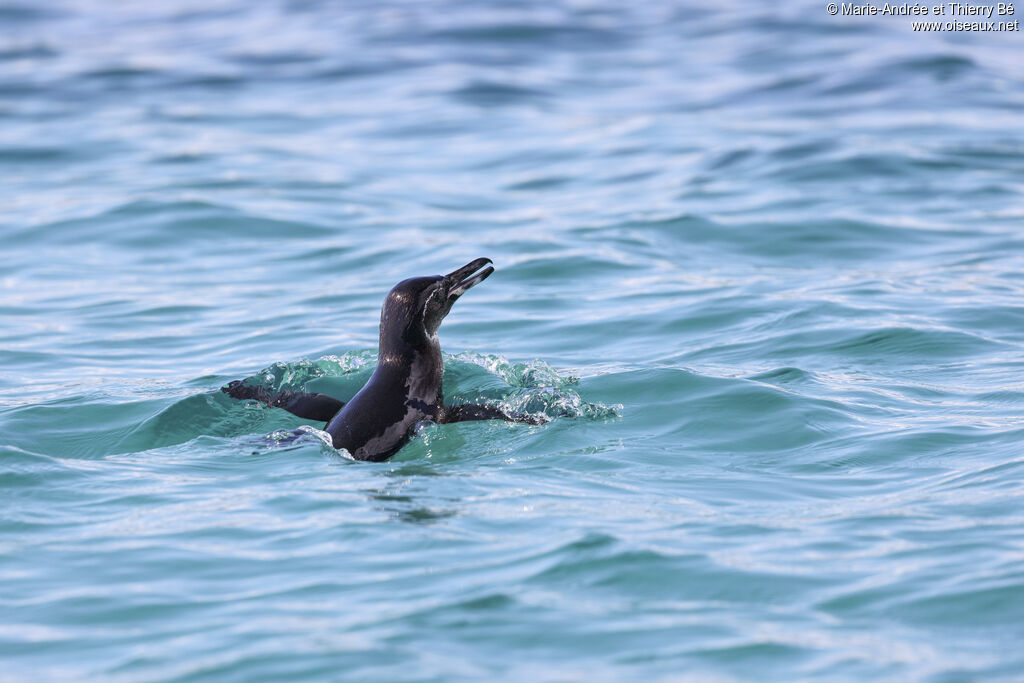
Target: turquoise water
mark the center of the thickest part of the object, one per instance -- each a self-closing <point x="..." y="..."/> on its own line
<point x="769" y="261"/>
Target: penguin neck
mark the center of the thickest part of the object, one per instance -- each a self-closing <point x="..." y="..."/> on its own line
<point x="416" y="361"/>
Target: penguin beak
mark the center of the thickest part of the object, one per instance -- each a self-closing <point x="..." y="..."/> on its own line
<point x="462" y="279"/>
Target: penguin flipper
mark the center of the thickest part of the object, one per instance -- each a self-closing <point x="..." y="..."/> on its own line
<point x="316" y="407"/>
<point x="467" y="412"/>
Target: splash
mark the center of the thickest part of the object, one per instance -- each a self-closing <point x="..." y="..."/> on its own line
<point x="299" y="435"/>
<point x="537" y="388"/>
<point x="532" y="387"/>
<point x="295" y="374"/>
<point x="535" y="373"/>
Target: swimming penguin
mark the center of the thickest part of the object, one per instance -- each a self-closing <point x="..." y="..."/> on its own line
<point x="405" y="389"/>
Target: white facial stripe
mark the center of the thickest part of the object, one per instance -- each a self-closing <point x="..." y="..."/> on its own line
<point x="426" y="304"/>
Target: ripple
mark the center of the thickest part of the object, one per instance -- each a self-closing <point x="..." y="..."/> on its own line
<point x="148" y="222"/>
<point x="495" y="94"/>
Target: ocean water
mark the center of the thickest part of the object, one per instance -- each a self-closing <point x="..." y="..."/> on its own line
<point x="763" y="265"/>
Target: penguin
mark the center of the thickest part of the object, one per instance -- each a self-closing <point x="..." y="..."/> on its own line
<point x="405" y="388"/>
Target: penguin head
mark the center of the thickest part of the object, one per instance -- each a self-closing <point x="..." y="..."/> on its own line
<point x="414" y="308"/>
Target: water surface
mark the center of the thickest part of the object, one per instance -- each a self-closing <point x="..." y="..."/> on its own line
<point x="767" y="259"/>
